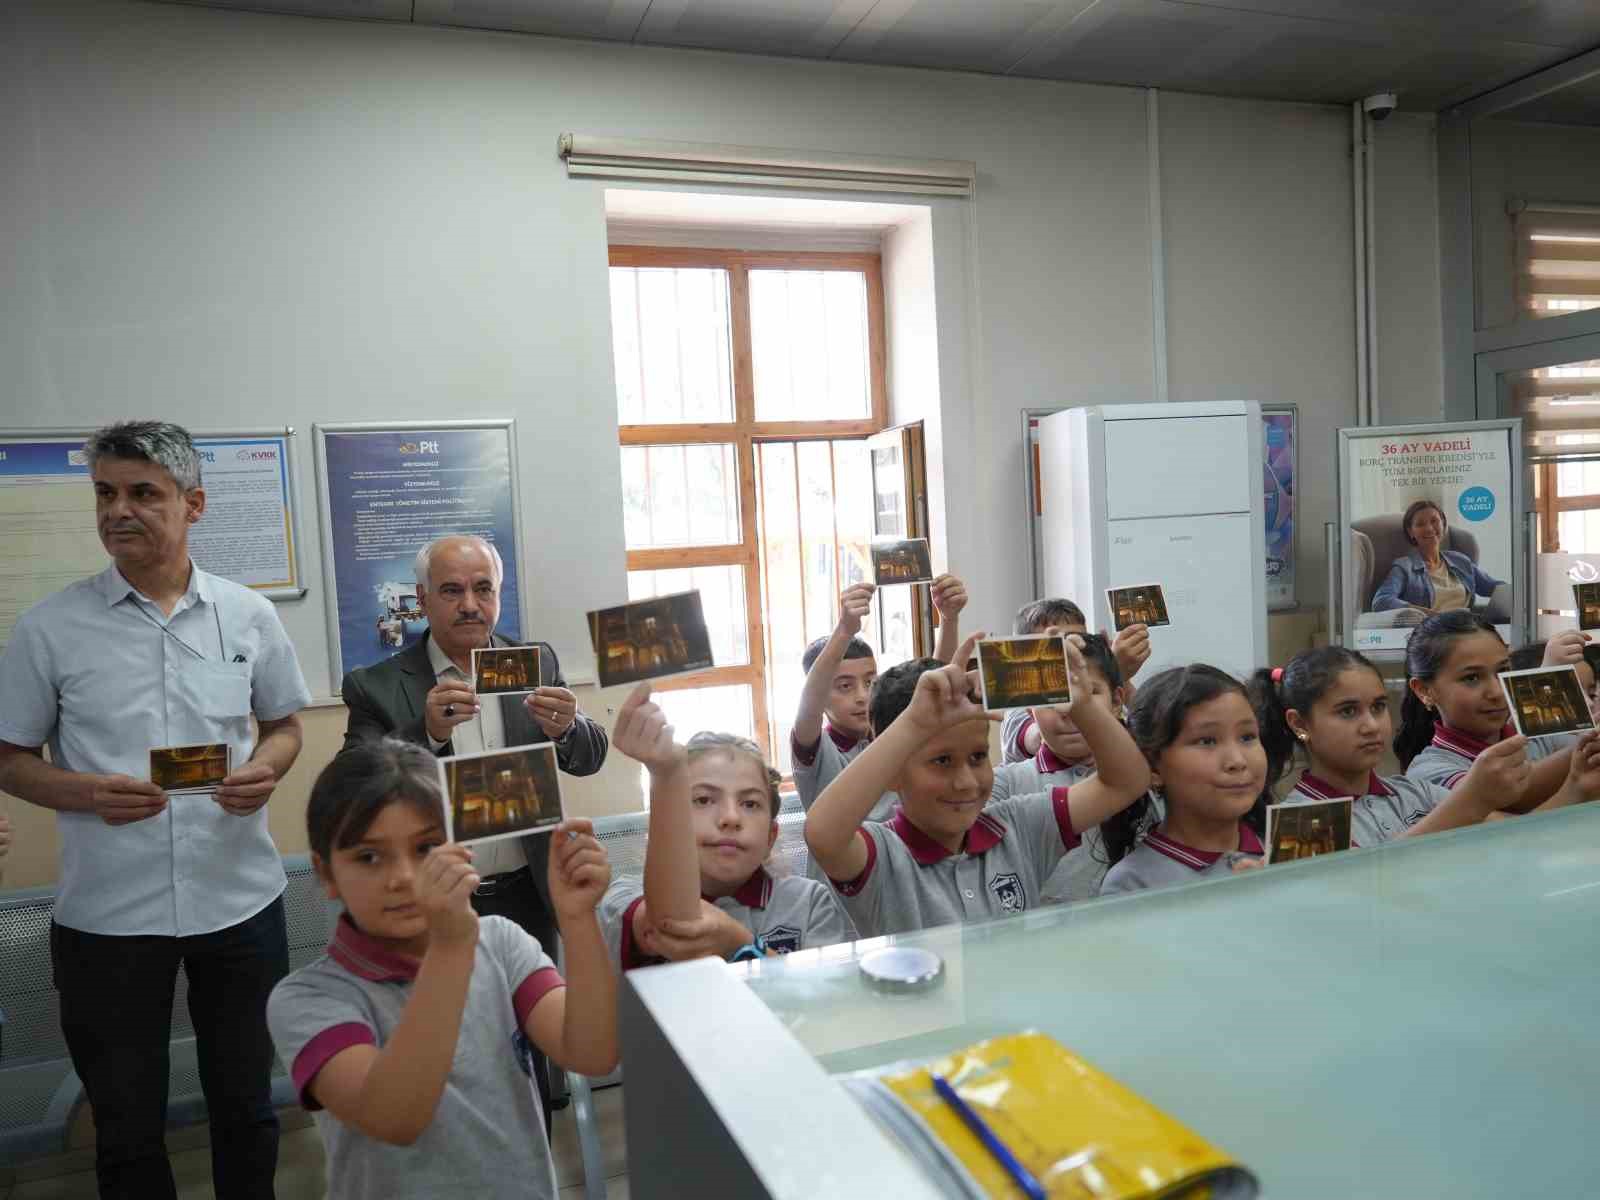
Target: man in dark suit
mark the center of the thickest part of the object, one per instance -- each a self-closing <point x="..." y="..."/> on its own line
<point x="424" y="694"/>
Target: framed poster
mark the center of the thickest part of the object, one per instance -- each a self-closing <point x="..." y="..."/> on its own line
<point x="1281" y="449"/>
<point x="1460" y="485"/>
<point x="387" y="490"/>
<point x="248" y="533"/>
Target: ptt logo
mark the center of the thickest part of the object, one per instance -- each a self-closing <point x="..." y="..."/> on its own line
<point x="209" y="456"/>
<point x="419" y="447"/>
<point x="256" y="455"/>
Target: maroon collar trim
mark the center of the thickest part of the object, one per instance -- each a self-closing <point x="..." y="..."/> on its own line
<point x="367" y="957"/>
<point x="844" y="741"/>
<point x="1047" y="762"/>
<point x="1462" y="743"/>
<point x="1311" y="785"/>
<point x="1199" y="860"/>
<point x="755" y="892"/>
<point x="985" y="834"/>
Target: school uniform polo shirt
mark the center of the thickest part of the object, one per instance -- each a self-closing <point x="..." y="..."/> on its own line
<point x="487" y="1135"/>
<point x="818" y="765"/>
<point x="1077" y="876"/>
<point x="787" y="912"/>
<point x="1386" y="811"/>
<point x="1447" y="759"/>
<point x="100" y="674"/>
<point x="912" y="882"/>
<point x="1159" y="862"/>
<point x="1013" y="729"/>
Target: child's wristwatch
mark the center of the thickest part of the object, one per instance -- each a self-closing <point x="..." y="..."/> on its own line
<point x="751" y="949"/>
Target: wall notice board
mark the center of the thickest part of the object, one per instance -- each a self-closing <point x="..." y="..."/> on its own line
<point x="248" y="532"/>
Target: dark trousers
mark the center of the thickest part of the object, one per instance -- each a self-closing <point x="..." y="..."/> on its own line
<point x="516" y="897"/>
<point x="116" y="1015"/>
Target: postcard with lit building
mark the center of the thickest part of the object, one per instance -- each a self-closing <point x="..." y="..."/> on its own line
<point x="500" y="793"/>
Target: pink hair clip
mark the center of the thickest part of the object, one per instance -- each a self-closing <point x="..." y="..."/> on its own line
<point x="1277" y="674"/>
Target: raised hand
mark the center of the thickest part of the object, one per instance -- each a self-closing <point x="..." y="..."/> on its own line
<point x="444" y="894"/>
<point x="1503" y="771"/>
<point x="949" y="596"/>
<point x="580" y="872"/>
<point x="1131" y="648"/>
<point x="1565" y="649"/>
<point x="949" y="695"/>
<point x="448" y="704"/>
<point x="854" y="604"/>
<point x="642" y="732"/>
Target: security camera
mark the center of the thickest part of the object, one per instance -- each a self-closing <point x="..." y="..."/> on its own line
<point x="1379" y="105"/>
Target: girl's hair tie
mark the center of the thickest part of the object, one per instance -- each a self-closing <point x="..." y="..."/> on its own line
<point x="1277" y="674"/>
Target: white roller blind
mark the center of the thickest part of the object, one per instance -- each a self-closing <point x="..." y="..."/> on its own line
<point x="1558" y="257"/>
<point x="704" y="162"/>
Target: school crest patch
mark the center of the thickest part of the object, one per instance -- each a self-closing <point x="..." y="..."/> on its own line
<point x="785" y="939"/>
<point x="1007" y="889"/>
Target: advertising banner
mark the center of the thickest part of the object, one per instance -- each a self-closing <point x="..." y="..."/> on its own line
<point x="1430" y="523"/>
<point x="386" y="492"/>
<point x="1280" y="445"/>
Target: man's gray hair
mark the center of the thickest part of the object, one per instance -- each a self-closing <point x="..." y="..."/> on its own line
<point x="425" y="558"/>
<point x="168" y="446"/>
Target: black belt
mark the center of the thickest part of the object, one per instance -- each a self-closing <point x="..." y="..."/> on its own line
<point x="489" y="886"/>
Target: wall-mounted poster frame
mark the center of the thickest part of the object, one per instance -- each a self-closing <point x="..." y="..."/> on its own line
<point x="249" y="533"/>
<point x="1280" y="442"/>
<point x="1472" y="471"/>
<point x="386" y="489"/>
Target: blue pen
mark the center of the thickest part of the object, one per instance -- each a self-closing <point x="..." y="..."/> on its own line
<point x="1020" y="1174"/>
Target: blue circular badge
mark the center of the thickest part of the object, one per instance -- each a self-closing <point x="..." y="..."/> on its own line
<point x="1476" y="504"/>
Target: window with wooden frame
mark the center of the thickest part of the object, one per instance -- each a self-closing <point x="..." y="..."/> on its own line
<point x="747" y="383"/>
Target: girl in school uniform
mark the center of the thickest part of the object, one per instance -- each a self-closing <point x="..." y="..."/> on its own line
<point x="1455" y="708"/>
<point x="1331" y="704"/>
<point x="1199" y="733"/>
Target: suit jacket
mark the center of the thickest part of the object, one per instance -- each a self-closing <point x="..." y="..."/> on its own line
<point x="387" y="699"/>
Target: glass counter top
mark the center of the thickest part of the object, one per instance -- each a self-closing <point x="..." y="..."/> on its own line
<point x="1413" y="1020"/>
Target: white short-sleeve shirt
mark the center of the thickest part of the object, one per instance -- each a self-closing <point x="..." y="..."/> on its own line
<point x="102" y="676"/>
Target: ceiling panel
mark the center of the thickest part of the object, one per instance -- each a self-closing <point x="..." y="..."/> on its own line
<point x="956" y="34"/>
<point x="612" y="19"/>
<point x="1434" y="53"/>
<point x="809" y="28"/>
<point x="368" y="10"/>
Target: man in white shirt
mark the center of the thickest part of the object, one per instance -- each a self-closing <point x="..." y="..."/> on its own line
<point x="424" y="694"/>
<point x="154" y="652"/>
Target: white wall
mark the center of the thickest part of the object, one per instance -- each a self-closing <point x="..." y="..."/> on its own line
<point x="1410" y="345"/>
<point x="220" y="217"/>
<point x="1553" y="163"/>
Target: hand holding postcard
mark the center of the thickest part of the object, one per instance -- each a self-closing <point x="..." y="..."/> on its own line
<point x="179" y="770"/>
<point x="901" y="560"/>
<point x="505" y="670"/>
<point x="1022" y="672"/>
<point x="647" y="639"/>
<point x="500" y="793"/>
<point x="1306" y="830"/>
<point x="1587" y="596"/>
<point x="1139" y="604"/>
<point x="1546" y="700"/>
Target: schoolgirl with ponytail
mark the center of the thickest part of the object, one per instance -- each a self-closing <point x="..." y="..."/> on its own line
<point x="1455" y="708"/>
<point x="1331" y="706"/>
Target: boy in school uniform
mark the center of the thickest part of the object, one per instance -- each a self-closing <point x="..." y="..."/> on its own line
<point x="831" y="725"/>
<point x="944" y="857"/>
<point x="713" y="821"/>
<point x="1063" y="759"/>
<point x="1019" y="734"/>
